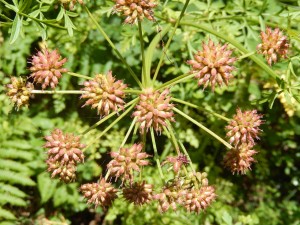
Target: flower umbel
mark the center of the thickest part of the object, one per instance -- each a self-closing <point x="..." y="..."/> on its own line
<point x="64" y="148"/>
<point x="138" y="193"/>
<point x="47" y="68"/>
<point x="66" y="172"/>
<point x="19" y="92"/>
<point x="153" y="110"/>
<point x="104" y="93"/>
<point x="101" y="193"/>
<point x="135" y="9"/>
<point x="244" y="127"/>
<point x="212" y="65"/>
<point x="239" y="159"/>
<point x="274" y="45"/>
<point x="127" y="160"/>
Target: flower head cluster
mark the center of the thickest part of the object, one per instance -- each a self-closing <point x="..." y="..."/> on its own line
<point x="153" y="110"/>
<point x="104" y="93"/>
<point x="135" y="9"/>
<point x="177" y="162"/>
<point x="47" y="68"/>
<point x="70" y="3"/>
<point x="242" y="131"/>
<point x="64" y="152"/>
<point x="138" y="193"/>
<point x="274" y="45"/>
<point x="127" y="160"/>
<point x="212" y="65"/>
<point x="101" y="193"/>
<point x="19" y="91"/>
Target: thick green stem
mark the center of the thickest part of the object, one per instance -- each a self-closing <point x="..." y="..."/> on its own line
<point x="111" y="125"/>
<point x="176" y="80"/>
<point x="203" y="128"/>
<point x="107" y="117"/>
<point x="80" y="75"/>
<point x="200" y="108"/>
<point x="76" y="92"/>
<point x="156" y="154"/>
<point x="144" y="75"/>
<point x="170" y="39"/>
<point x="113" y="46"/>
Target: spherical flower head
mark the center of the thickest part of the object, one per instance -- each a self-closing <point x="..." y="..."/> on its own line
<point x="47" y="68"/>
<point x="154" y="110"/>
<point x="66" y="172"/>
<point x="70" y="3"/>
<point x="138" y="193"/>
<point x="19" y="92"/>
<point x="212" y="65"/>
<point x="127" y="160"/>
<point x="274" y="45"/>
<point x="101" y="193"/>
<point x="244" y="127"/>
<point x="104" y="93"/>
<point x="177" y="162"/>
<point x="197" y="200"/>
<point x="239" y="159"/>
<point x="135" y="10"/>
<point x="64" y="148"/>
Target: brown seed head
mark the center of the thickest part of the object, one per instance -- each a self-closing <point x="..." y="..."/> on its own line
<point x="47" y="68"/>
<point x="66" y="172"/>
<point x="70" y="3"/>
<point x="104" y="93"/>
<point x="138" y="193"/>
<point x="100" y="193"/>
<point x="244" y="127"/>
<point x="197" y="200"/>
<point x="64" y="148"/>
<point x="239" y="159"/>
<point x="274" y="45"/>
<point x="153" y="110"/>
<point x="19" y="92"/>
<point x="127" y="160"/>
<point x="213" y="65"/>
<point x="135" y="9"/>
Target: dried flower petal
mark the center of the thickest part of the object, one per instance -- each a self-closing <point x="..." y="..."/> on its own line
<point x="213" y="65"/>
<point x="104" y="93"/>
<point x="47" y="68"/>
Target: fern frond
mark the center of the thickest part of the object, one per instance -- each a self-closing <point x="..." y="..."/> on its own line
<point x="12" y="200"/>
<point x="6" y="215"/>
<point x="16" y="154"/>
<point x="11" y="190"/>
<point x="13" y="165"/>
<point x="20" y="144"/>
<point x="15" y="178"/>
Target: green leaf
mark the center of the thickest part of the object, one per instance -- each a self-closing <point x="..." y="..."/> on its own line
<point x="7" y="215"/>
<point x="46" y="186"/>
<point x="16" y="29"/>
<point x="69" y="25"/>
<point x="12" y="200"/>
<point x="60" y="196"/>
<point x="15" y="178"/>
<point x="272" y="98"/>
<point x="227" y="218"/>
<point x="12" y="190"/>
<point x="15" y="154"/>
<point x="24" y="5"/>
<point x="13" y="165"/>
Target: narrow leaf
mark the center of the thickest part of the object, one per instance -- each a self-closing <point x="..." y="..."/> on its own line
<point x="46" y="186"/>
<point x="16" y="29"/>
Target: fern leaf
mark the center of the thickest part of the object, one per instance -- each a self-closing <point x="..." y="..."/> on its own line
<point x="20" y="144"/>
<point x="12" y="200"/>
<point x="14" y="165"/>
<point x="6" y="215"/>
<point x="16" y="154"/>
<point x="11" y="190"/>
<point x="15" y="178"/>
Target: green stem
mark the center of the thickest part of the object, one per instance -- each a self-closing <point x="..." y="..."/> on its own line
<point x="235" y="43"/>
<point x="173" y="139"/>
<point x="80" y="75"/>
<point x="144" y="75"/>
<point x="246" y="55"/>
<point x="203" y="128"/>
<point x="170" y="39"/>
<point x="111" y="125"/>
<point x="128" y="132"/>
<point x="156" y="154"/>
<point x="113" y="46"/>
<point x="132" y="91"/>
<point x="176" y="80"/>
<point x="107" y="117"/>
<point x="57" y="92"/>
<point x="187" y="155"/>
<point x="200" y="108"/>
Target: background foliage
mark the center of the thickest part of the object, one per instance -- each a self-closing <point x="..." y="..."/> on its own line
<point x="269" y="194"/>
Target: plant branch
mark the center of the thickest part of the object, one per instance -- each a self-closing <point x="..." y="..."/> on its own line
<point x="57" y="92"/>
<point x="144" y="75"/>
<point x="156" y="154"/>
<point x="176" y="80"/>
<point x="80" y="75"/>
<point x="128" y="132"/>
